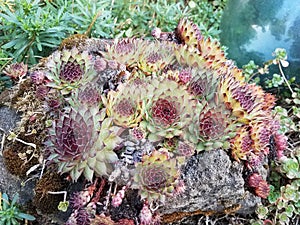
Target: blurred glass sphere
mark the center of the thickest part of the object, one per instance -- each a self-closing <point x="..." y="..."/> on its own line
<point x="253" y="29"/>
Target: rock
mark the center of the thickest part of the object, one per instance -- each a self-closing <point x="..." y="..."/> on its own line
<point x="10" y="184"/>
<point x="8" y="119"/>
<point x="214" y="184"/>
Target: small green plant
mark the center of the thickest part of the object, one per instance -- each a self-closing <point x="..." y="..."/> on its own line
<point x="31" y="30"/>
<point x="5" y="82"/>
<point x="283" y="203"/>
<point x="252" y="72"/>
<point x="10" y="214"/>
<point x="284" y="197"/>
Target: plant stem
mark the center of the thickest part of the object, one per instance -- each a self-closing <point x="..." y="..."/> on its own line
<point x="284" y="78"/>
<point x="250" y="78"/>
<point x="25" y="143"/>
<point x="89" y="30"/>
<point x="58" y="193"/>
<point x="2" y="143"/>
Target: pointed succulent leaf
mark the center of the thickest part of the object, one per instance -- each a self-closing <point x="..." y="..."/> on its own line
<point x="188" y="33"/>
<point x="125" y="51"/>
<point x="74" y="143"/>
<point x="168" y="108"/>
<point x="156" y="56"/>
<point x="124" y="105"/>
<point x="156" y="175"/>
<point x="69" y="69"/>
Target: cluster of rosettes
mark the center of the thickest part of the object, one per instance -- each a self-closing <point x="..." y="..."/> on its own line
<point x="156" y="176"/>
<point x="180" y="94"/>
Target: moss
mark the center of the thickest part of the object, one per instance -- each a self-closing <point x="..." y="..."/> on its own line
<point x="73" y="41"/>
<point x="19" y="158"/>
<point x="45" y="202"/>
<point x="13" y="163"/>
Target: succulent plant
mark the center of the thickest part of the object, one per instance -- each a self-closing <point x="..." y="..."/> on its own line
<point x="261" y="187"/>
<point x="79" y="199"/>
<point x="10" y="213"/>
<point x="168" y="109"/>
<point x="211" y="51"/>
<point x="124" y="106"/>
<point x="156" y="56"/>
<point x="102" y="220"/>
<point x="141" y="108"/>
<point x="188" y="33"/>
<point x="280" y="143"/>
<point x="125" y="222"/>
<point x="16" y="70"/>
<point x="76" y="145"/>
<point x="156" y="176"/>
<point x="260" y="134"/>
<point x="290" y="166"/>
<point x="69" y="69"/>
<point x="245" y="100"/>
<point x="242" y="144"/>
<point x="146" y="216"/>
<point x="195" y="50"/>
<point x="41" y="91"/>
<point x="37" y="76"/>
<point x="125" y="51"/>
<point x="184" y="149"/>
<point x="82" y="216"/>
<point x="134" y="149"/>
<point x="203" y="84"/>
<point x="88" y="94"/>
<point x="212" y="127"/>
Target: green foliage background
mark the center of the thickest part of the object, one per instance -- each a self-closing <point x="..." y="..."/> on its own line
<point x="31" y="29"/>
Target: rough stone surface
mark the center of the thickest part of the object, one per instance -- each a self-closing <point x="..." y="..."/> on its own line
<point x="8" y="119"/>
<point x="214" y="184"/>
<point x="10" y="184"/>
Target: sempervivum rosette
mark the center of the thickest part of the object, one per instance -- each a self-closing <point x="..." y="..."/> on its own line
<point x="68" y="69"/>
<point x="203" y="83"/>
<point x="169" y="108"/>
<point x="88" y="94"/>
<point x="156" y="176"/>
<point x="212" y="127"/>
<point x="76" y="145"/>
<point x="242" y="144"/>
<point x="125" y="51"/>
<point x="16" y="70"/>
<point x="156" y="56"/>
<point x="260" y="186"/>
<point x="245" y="100"/>
<point x="188" y="33"/>
<point x="211" y="51"/>
<point x="124" y="105"/>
